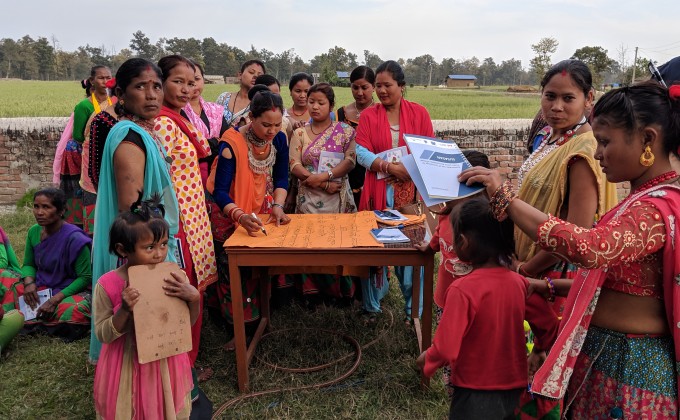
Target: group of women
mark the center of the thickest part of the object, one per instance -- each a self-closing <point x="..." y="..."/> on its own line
<point x="218" y="165"/>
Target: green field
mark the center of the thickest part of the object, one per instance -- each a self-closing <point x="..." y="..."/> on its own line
<point x="57" y="99"/>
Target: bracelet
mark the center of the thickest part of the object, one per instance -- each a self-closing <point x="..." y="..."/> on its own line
<point x="501" y="199"/>
<point x="328" y="184"/>
<point x="239" y="218"/>
<point x="277" y="205"/>
<point x="387" y="168"/>
<point x="330" y="174"/>
<point x="519" y="267"/>
<point x="551" y="289"/>
<point x="235" y="216"/>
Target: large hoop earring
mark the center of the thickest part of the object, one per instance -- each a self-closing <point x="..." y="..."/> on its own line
<point x="647" y="157"/>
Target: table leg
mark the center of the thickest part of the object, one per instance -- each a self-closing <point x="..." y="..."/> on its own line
<point x="415" y="294"/>
<point x="239" y="326"/>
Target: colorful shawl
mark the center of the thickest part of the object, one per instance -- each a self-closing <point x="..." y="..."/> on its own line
<point x="147" y="398"/>
<point x="184" y="144"/>
<point x="545" y="185"/>
<point x="553" y="377"/>
<point x="233" y="118"/>
<point x="213" y="111"/>
<point x="12" y="261"/>
<point x="99" y="131"/>
<point x="156" y="180"/>
<point x="336" y="139"/>
<point x="374" y="134"/>
<point x="55" y="257"/>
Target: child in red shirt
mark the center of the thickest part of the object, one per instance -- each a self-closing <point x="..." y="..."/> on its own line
<point x="481" y="333"/>
<point x="450" y="267"/>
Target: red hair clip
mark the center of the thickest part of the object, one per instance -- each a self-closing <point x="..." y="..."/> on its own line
<point x="674" y="92"/>
<point x="111" y="83"/>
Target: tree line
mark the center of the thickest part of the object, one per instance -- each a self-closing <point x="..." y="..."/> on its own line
<point x="42" y="59"/>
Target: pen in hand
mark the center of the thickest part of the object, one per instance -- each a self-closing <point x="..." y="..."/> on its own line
<point x="262" y="228"/>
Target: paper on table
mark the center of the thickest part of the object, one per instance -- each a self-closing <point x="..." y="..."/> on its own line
<point x="312" y="231"/>
<point x="389" y="235"/>
<point x="162" y="322"/>
<point x="30" y="313"/>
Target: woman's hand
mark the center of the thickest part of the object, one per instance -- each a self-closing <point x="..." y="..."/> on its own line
<point x="278" y="216"/>
<point x="490" y="178"/>
<point x="179" y="287"/>
<point x="538" y="286"/>
<point x="316" y="180"/>
<point x="130" y="298"/>
<point x="535" y="361"/>
<point x="48" y="308"/>
<point x="333" y="187"/>
<point x="398" y="170"/>
<point x="424" y="247"/>
<point x="298" y="124"/>
<point x="31" y="294"/>
<point x="420" y="361"/>
<point x="251" y="224"/>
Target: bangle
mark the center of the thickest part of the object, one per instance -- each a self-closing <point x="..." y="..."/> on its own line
<point x="551" y="289"/>
<point x="501" y="199"/>
<point x="328" y="184"/>
<point x="387" y="168"/>
<point x="277" y="205"/>
<point x="236" y="216"/>
<point x="239" y="218"/>
<point x="330" y="174"/>
<point x="519" y="267"/>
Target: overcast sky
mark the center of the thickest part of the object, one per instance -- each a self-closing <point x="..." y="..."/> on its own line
<point x="393" y="29"/>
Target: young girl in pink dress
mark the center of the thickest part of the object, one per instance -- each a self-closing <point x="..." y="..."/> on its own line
<point x="124" y="388"/>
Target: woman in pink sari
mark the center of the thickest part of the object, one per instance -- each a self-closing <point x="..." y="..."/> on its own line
<point x="617" y="351"/>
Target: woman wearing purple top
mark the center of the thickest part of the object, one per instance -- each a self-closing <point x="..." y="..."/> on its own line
<point x="57" y="258"/>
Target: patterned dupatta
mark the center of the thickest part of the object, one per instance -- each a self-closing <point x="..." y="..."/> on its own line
<point x="553" y="377"/>
<point x="213" y="111"/>
<point x="325" y="141"/>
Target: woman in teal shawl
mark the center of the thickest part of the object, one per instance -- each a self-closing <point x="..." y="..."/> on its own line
<point x="133" y="162"/>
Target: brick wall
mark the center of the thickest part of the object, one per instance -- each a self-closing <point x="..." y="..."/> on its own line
<point x="27" y="148"/>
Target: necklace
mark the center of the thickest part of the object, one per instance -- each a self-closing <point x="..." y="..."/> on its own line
<point x="311" y="128"/>
<point x="655" y="181"/>
<point x="359" y="110"/>
<point x="295" y="113"/>
<point x="263" y="166"/>
<point x="567" y="134"/>
<point x="254" y="140"/>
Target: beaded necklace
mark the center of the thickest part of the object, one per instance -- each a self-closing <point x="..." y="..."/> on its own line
<point x="547" y="145"/>
<point x="253" y="139"/>
<point x="666" y="176"/>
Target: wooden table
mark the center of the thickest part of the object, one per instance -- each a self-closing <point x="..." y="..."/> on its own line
<point x="299" y="260"/>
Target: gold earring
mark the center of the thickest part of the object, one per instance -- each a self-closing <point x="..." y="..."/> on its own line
<point x="647" y="157"/>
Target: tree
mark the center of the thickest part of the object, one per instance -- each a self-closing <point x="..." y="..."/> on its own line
<point x="190" y="48"/>
<point x="597" y="60"/>
<point x="487" y="71"/>
<point x="371" y="60"/>
<point x="541" y="62"/>
<point x="141" y="45"/>
<point x="641" y="70"/>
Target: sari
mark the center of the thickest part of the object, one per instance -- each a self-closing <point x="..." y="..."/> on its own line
<point x="10" y="272"/>
<point x="544" y="185"/>
<point x="214" y="114"/>
<point x="156" y="180"/>
<point x="337" y="139"/>
<point x="56" y="263"/>
<point x="356" y="176"/>
<point x="568" y="357"/>
<point x="125" y="388"/>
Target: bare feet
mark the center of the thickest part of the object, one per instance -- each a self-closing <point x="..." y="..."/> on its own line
<point x="231" y="345"/>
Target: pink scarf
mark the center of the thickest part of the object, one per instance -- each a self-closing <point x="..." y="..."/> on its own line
<point x="213" y="111"/>
<point x="552" y="378"/>
<point x="373" y="133"/>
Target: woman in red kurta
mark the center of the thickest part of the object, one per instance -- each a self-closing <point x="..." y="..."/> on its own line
<point x="617" y="351"/>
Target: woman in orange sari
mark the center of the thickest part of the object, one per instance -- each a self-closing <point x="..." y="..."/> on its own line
<point x="616" y="354"/>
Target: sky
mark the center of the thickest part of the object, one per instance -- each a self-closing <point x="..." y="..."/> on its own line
<point x="501" y="29"/>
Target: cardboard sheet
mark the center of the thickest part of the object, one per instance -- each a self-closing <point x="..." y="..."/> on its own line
<point x="162" y="322"/>
<point x="312" y="231"/>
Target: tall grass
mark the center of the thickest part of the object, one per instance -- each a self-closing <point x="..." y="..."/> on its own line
<point x="57" y="99"/>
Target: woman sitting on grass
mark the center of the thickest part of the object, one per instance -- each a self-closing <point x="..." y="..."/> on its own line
<point x="11" y="320"/>
<point x="57" y="258"/>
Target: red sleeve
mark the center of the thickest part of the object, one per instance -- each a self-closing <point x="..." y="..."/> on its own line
<point x="543" y="321"/>
<point x="434" y="242"/>
<point x="363" y="135"/>
<point x="457" y="317"/>
<point x="639" y="231"/>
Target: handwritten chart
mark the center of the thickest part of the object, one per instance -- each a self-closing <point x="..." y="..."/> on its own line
<point x="313" y="231"/>
<point x="162" y="323"/>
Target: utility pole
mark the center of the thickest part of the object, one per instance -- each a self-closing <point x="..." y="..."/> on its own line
<point x="634" y="66"/>
<point x="429" y="82"/>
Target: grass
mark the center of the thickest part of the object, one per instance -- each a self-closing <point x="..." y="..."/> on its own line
<point x="57" y="99"/>
<point x="46" y="378"/>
